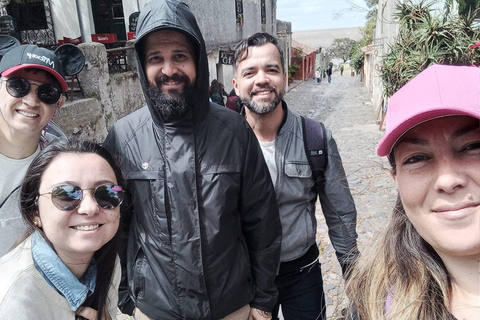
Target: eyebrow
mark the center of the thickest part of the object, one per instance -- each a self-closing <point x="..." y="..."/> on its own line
<point x="412" y="140"/>
<point x="465" y="130"/>
<point x="458" y="133"/>
<point x="182" y="50"/>
<point x="270" y="65"/>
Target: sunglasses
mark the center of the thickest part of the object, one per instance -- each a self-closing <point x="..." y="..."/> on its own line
<point x="20" y="87"/>
<point x="68" y="197"/>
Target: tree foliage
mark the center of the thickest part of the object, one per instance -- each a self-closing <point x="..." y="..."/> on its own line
<point x="356" y="54"/>
<point x="341" y="48"/>
<point x="425" y="39"/>
<point x="467" y="6"/>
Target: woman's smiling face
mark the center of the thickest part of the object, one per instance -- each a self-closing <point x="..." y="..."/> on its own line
<point x="77" y="233"/>
<point x="438" y="177"/>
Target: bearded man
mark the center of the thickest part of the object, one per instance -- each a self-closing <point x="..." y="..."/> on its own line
<point x="260" y="83"/>
<point x="201" y="223"/>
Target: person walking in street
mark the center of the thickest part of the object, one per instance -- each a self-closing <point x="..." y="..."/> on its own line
<point x="31" y="92"/>
<point x="329" y="73"/>
<point x="217" y="92"/>
<point x="425" y="263"/>
<point x="66" y="265"/>
<point x="203" y="226"/>
<point x="318" y="75"/>
<point x="341" y="69"/>
<point x="260" y="81"/>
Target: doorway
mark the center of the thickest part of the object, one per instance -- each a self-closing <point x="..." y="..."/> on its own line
<point x="108" y="17"/>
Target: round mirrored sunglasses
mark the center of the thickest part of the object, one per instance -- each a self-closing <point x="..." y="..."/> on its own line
<point x="68" y="197"/>
<point x="20" y="87"/>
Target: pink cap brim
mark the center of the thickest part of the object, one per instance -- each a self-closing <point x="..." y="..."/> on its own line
<point x="438" y="91"/>
<point x="388" y="141"/>
<point x="60" y="79"/>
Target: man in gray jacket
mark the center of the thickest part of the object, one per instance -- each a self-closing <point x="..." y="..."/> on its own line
<point x="201" y="223"/>
<point x="260" y="83"/>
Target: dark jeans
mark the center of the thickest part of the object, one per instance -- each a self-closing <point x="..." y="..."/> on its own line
<point x="301" y="294"/>
<point x="329" y="78"/>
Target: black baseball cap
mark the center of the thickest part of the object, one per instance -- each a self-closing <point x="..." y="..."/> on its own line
<point x="32" y="56"/>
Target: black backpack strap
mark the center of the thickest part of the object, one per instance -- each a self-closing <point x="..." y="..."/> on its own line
<point x="315" y="142"/>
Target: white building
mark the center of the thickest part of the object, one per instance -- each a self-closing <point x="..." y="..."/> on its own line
<point x="223" y="23"/>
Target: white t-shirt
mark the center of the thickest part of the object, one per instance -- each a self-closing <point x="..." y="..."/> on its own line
<point x="11" y="176"/>
<point x="268" y="150"/>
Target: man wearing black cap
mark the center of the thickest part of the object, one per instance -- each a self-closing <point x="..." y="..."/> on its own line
<point x="202" y="223"/>
<point x="31" y="85"/>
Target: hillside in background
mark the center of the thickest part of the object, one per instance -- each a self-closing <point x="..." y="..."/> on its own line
<point x="324" y="38"/>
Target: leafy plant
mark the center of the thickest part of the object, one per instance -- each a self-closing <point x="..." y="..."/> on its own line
<point x="356" y="54"/>
<point x="425" y="39"/>
<point x="292" y="70"/>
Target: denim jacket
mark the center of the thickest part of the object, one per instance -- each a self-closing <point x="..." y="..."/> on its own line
<point x="56" y="273"/>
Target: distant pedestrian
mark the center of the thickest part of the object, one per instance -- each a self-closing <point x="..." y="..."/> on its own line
<point x="218" y="93"/>
<point x="329" y="73"/>
<point x="341" y="70"/>
<point x="318" y="75"/>
<point x="233" y="103"/>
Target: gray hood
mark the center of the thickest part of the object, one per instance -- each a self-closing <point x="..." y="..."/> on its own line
<point x="174" y="15"/>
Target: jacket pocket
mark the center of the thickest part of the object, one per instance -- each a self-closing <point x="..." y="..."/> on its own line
<point x="298" y="170"/>
<point x="221" y="188"/>
<point x="149" y="203"/>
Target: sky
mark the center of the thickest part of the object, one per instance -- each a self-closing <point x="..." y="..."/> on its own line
<point x="321" y="14"/>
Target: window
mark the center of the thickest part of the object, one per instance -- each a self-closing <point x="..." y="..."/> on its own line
<point x="28" y="14"/>
<point x="263" y="12"/>
<point x="239" y="12"/>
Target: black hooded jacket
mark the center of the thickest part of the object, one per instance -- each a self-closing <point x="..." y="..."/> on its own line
<point x="202" y="220"/>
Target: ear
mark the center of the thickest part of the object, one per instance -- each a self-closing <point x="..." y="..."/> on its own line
<point x="61" y="102"/>
<point x="235" y="86"/>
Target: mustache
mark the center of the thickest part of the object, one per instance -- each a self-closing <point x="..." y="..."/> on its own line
<point x="160" y="80"/>
<point x="262" y="87"/>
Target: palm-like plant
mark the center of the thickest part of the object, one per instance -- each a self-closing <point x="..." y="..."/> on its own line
<point x="425" y="39"/>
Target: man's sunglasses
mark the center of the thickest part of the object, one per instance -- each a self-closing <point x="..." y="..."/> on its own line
<point x="68" y="197"/>
<point x="20" y="87"/>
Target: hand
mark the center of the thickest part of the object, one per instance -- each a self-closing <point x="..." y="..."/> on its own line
<point x="87" y="313"/>
<point x="257" y="314"/>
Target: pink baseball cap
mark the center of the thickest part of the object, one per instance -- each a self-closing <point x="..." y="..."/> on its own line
<point x="437" y="91"/>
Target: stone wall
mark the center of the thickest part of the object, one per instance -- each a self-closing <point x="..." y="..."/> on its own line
<point x="108" y="97"/>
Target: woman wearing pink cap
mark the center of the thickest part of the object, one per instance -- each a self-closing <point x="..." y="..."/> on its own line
<point x="426" y="263"/>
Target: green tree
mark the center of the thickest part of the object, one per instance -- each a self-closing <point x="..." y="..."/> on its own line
<point x="425" y="39"/>
<point x="341" y="48"/>
<point x="356" y="54"/>
<point x="467" y="6"/>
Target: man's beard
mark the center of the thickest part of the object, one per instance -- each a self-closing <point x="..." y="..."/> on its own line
<point x="174" y="104"/>
<point x="256" y="108"/>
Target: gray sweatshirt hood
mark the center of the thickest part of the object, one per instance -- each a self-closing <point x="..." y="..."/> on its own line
<point x="174" y="15"/>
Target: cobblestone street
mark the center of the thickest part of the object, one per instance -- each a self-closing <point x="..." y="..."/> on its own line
<point x="344" y="107"/>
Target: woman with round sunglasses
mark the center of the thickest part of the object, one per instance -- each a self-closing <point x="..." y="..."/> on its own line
<point x="66" y="265"/>
<point x="31" y="85"/>
<point x="425" y="265"/>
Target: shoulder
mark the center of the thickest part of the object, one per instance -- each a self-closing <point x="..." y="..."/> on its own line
<point x="134" y="119"/>
<point x="127" y="128"/>
<point x="24" y="293"/>
<point x="226" y="118"/>
<point x="16" y="268"/>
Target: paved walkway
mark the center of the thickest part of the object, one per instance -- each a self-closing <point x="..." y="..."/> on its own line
<point x="344" y="107"/>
